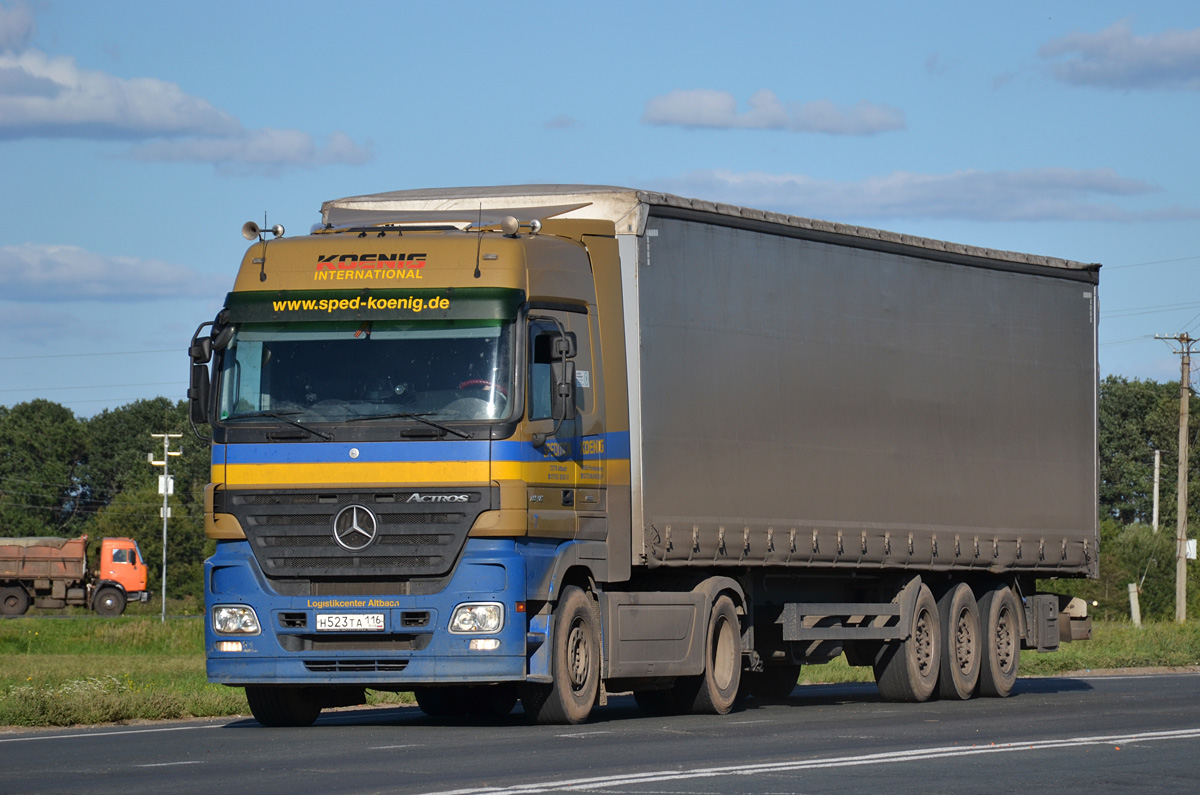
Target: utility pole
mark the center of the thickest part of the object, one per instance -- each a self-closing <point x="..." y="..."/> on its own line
<point x="166" y="487"/>
<point x="1185" y="392"/>
<point x="1157" y="471"/>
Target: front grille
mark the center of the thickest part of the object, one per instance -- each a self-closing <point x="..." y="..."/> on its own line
<point x="355" y="641"/>
<point x="342" y="563"/>
<point x="291" y="533"/>
<point x="355" y="666"/>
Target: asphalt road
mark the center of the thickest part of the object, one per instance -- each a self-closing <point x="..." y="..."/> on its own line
<point x="1090" y="734"/>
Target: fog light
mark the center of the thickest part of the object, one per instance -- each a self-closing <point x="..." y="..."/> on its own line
<point x="485" y="644"/>
<point x="229" y="645"/>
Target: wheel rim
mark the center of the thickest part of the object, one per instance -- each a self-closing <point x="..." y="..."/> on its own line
<point x="1004" y="640"/>
<point x="579" y="658"/>
<point x="964" y="642"/>
<point x="923" y="642"/>
<point x="722" y="663"/>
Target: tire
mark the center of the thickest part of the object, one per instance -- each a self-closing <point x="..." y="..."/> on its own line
<point x="490" y="701"/>
<point x="773" y="683"/>
<point x="576" y="655"/>
<point x="14" y="601"/>
<point x="1001" y="633"/>
<point x="961" y="643"/>
<point x="715" y="691"/>
<point x="907" y="670"/>
<point x="441" y="702"/>
<point x="282" y="706"/>
<point x="657" y="703"/>
<point x="109" y="602"/>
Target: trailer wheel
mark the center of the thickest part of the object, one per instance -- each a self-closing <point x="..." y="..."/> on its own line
<point x="569" y="698"/>
<point x="961" y="642"/>
<point x="109" y="602"/>
<point x="715" y="691"/>
<point x="907" y="670"/>
<point x="1001" y="632"/>
<point x="14" y="601"/>
<point x="282" y="706"/>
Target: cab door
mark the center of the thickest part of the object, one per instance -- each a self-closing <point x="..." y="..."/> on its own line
<point x="553" y="462"/>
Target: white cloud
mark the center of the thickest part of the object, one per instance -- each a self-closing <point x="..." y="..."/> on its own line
<point x="44" y="97"/>
<point x="58" y="274"/>
<point x="1116" y="58"/>
<point x="264" y="151"/>
<point x="718" y="109"/>
<point x="16" y="26"/>
<point x="52" y="97"/>
<point x="562" y="122"/>
<point x="1051" y="194"/>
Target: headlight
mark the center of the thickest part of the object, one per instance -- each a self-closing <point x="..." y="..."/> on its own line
<point x="235" y="620"/>
<point x="485" y="617"/>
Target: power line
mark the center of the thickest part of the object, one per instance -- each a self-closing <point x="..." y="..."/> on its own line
<point x="92" y="355"/>
<point x="96" y="386"/>
<point x="1151" y="262"/>
<point x="1148" y="310"/>
<point x="1127" y="340"/>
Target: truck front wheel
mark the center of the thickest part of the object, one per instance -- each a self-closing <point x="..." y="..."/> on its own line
<point x="14" y="601"/>
<point x="109" y="602"/>
<point x="282" y="706"/>
<point x="569" y="698"/>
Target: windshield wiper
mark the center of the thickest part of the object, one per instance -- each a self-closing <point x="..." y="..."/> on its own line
<point x="406" y="415"/>
<point x="282" y="417"/>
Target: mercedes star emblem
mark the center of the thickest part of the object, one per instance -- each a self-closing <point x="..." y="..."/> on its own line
<point x="354" y="528"/>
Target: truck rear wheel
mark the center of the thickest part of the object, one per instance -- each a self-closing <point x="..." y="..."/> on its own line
<point x="576" y="649"/>
<point x="907" y="670"/>
<point x="961" y="643"/>
<point x="282" y="706"/>
<point x="714" y="691"/>
<point x="1001" y="632"/>
<point x="14" y="601"/>
<point x="109" y="602"/>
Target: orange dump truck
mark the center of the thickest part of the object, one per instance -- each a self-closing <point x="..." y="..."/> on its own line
<point x="53" y="572"/>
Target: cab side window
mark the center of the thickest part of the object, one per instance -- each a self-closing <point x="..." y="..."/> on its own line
<point x="120" y="556"/>
<point x="541" y="370"/>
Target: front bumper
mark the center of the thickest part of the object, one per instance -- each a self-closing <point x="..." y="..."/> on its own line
<point x="414" y="647"/>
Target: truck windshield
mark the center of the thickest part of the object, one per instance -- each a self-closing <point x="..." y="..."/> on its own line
<point x="445" y="371"/>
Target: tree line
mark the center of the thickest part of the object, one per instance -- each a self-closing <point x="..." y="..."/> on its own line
<point x="62" y="475"/>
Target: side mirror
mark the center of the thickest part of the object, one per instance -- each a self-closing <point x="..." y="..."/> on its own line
<point x="200" y="350"/>
<point x="198" y="395"/>
<point x="564" y="393"/>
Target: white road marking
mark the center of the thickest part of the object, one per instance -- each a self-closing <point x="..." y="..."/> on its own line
<point x="172" y="764"/>
<point x="918" y="754"/>
<point x="581" y="734"/>
<point x="392" y="747"/>
<point x="84" y="735"/>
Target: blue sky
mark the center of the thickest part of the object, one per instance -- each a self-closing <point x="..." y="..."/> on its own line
<point x="137" y="137"/>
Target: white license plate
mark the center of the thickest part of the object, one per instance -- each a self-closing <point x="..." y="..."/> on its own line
<point x="371" y="622"/>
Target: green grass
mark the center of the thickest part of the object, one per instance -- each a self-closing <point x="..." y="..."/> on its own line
<point x="86" y="670"/>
